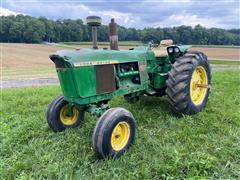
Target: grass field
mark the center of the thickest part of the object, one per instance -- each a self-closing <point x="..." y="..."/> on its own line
<point x="121" y="43"/>
<point x="26" y="60"/>
<point x="23" y="61"/>
<point x="206" y="145"/>
<point x="217" y="46"/>
<point x="224" y="62"/>
<point x="130" y="43"/>
<point x="220" y="53"/>
<point x="212" y="51"/>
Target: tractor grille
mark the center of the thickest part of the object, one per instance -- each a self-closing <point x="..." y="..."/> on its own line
<point x="105" y="78"/>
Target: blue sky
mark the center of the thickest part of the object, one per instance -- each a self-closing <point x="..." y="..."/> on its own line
<point x="138" y="13"/>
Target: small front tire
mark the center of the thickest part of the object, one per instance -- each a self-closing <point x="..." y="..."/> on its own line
<point x="57" y="117"/>
<point x="114" y="133"/>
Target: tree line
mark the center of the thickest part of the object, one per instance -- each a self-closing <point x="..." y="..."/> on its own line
<point x="27" y="29"/>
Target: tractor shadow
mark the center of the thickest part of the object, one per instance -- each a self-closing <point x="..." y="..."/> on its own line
<point x="151" y="102"/>
<point x="148" y="105"/>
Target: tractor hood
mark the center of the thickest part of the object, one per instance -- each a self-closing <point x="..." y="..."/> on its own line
<point x="88" y="57"/>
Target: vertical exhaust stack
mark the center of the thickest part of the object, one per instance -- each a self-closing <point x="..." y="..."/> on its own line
<point x="113" y="35"/>
<point x="94" y="22"/>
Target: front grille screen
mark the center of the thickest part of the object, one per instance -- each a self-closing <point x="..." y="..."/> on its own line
<point x="105" y="79"/>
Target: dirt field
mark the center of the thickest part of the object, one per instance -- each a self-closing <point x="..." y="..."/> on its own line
<point x="220" y="53"/>
<point x="24" y="61"/>
<point x="26" y="55"/>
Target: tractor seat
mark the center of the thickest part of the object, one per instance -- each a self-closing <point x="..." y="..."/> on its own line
<point x="161" y="49"/>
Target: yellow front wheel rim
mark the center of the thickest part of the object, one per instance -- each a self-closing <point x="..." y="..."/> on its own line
<point x="198" y="85"/>
<point x="120" y="136"/>
<point x="68" y="120"/>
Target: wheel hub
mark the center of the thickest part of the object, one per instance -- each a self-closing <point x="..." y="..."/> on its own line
<point x="68" y="118"/>
<point x="198" y="85"/>
<point x="120" y="136"/>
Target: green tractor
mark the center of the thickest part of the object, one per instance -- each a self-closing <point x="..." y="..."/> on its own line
<point x="89" y="78"/>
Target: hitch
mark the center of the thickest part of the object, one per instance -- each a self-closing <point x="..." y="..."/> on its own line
<point x="97" y="110"/>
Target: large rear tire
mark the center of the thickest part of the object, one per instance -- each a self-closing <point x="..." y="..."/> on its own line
<point x="188" y="83"/>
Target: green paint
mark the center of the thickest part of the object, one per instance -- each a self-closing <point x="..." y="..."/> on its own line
<point x="128" y="74"/>
<point x="78" y="79"/>
<point x="90" y="55"/>
<point x="85" y="81"/>
<point x="67" y="83"/>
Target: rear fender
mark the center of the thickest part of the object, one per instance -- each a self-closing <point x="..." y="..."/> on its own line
<point x="176" y="51"/>
<point x="184" y="48"/>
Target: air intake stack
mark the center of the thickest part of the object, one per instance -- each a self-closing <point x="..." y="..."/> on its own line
<point x="94" y="22"/>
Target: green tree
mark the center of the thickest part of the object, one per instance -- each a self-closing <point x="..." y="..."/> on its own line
<point x="29" y="29"/>
<point x="34" y="31"/>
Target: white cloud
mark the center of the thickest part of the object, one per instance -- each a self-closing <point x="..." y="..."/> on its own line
<point x="106" y="15"/>
<point x="7" y="12"/>
<point x="125" y="18"/>
<point x="187" y="19"/>
<point x="168" y="13"/>
<point x="82" y="11"/>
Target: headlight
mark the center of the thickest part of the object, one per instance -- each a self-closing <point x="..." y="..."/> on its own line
<point x="170" y="50"/>
<point x="176" y="50"/>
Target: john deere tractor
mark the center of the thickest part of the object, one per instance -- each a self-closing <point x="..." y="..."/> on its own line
<point x="89" y="78"/>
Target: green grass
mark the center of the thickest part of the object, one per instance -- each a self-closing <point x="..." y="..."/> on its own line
<point x="19" y="73"/>
<point x="224" y="62"/>
<point x="205" y="145"/>
<point x="217" y="46"/>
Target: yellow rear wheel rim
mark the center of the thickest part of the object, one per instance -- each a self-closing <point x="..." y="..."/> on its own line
<point x="68" y="120"/>
<point x="120" y="136"/>
<point x="198" y="85"/>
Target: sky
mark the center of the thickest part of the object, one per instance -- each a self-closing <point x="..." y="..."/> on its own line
<point x="134" y="13"/>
